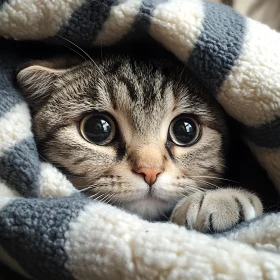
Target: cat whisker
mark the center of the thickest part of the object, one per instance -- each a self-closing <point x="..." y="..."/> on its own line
<point x="108" y="200"/>
<point x="164" y="216"/>
<point x="184" y="195"/>
<point x="56" y="165"/>
<point x="96" y="194"/>
<point x="82" y="188"/>
<point x="200" y="189"/>
<point x="76" y="176"/>
<point x="75" y="52"/>
<point x="193" y="189"/>
<point x="100" y="196"/>
<point x="84" y="52"/>
<point x="116" y="201"/>
<point x="207" y="183"/>
<point x="86" y="188"/>
<point x="223" y="166"/>
<point x="87" y="177"/>
<point x="212" y="177"/>
<point x="180" y="76"/>
<point x="104" y="198"/>
<point x="186" y="187"/>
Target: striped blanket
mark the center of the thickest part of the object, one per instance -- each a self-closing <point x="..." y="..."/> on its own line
<point x="50" y="231"/>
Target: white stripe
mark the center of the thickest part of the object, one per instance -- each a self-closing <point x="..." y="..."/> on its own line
<point x="119" y="23"/>
<point x="31" y="19"/>
<point x="7" y="195"/>
<point x="53" y="183"/>
<point x="5" y="191"/>
<point x="263" y="233"/>
<point x="177" y="24"/>
<point x="4" y="201"/>
<point x="15" y="126"/>
<point x="95" y="239"/>
<point x="251" y="93"/>
<point x="112" y="244"/>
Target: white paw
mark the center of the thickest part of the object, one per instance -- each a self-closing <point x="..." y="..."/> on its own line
<point x="216" y="210"/>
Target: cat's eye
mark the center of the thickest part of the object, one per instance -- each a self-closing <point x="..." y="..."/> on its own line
<point x="184" y="131"/>
<point x="98" y="129"/>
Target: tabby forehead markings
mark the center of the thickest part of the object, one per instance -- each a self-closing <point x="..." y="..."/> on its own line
<point x="143" y="97"/>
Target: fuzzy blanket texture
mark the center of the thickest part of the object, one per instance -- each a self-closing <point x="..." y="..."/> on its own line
<point x="50" y="231"/>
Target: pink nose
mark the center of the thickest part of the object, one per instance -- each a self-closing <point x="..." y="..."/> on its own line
<point x="149" y="174"/>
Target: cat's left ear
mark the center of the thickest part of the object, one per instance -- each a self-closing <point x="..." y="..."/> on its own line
<point x="36" y="79"/>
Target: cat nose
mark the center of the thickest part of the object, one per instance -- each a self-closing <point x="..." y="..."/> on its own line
<point x="150" y="174"/>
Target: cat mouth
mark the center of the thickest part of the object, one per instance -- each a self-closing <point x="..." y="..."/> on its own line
<point x="147" y="198"/>
<point x="149" y="206"/>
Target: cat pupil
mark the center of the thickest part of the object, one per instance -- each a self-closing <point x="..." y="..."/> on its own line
<point x="184" y="131"/>
<point x="96" y="129"/>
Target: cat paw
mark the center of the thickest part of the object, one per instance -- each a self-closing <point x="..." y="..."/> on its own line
<point x="216" y="210"/>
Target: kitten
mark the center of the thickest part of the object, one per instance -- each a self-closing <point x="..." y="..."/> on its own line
<point x="138" y="133"/>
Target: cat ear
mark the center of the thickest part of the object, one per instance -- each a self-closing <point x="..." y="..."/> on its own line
<point x="36" y="79"/>
<point x="36" y="82"/>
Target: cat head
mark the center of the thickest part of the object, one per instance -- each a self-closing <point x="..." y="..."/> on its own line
<point x="136" y="133"/>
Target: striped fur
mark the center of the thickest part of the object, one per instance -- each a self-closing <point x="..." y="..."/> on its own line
<point x="143" y="96"/>
<point x="235" y="58"/>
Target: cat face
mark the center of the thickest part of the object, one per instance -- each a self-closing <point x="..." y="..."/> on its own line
<point x="138" y="134"/>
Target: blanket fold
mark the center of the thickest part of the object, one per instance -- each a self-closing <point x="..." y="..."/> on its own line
<point x="48" y="230"/>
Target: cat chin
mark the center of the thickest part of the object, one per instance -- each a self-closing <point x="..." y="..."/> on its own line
<point x="149" y="208"/>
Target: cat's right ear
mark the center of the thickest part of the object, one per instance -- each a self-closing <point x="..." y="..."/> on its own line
<point x="36" y="80"/>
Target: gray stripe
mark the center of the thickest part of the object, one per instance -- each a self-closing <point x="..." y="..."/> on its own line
<point x="144" y="16"/>
<point x="33" y="232"/>
<point x="8" y="99"/>
<point x="140" y="29"/>
<point x="266" y="135"/>
<point x="9" y="96"/>
<point x="87" y="21"/>
<point x="218" y="45"/>
<point x="19" y="168"/>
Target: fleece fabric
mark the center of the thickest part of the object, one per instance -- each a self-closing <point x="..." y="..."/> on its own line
<point x="50" y="231"/>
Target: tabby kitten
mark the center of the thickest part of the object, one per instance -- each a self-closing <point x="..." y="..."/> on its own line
<point x="137" y="133"/>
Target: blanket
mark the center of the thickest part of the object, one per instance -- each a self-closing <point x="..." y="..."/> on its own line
<point x="48" y="230"/>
